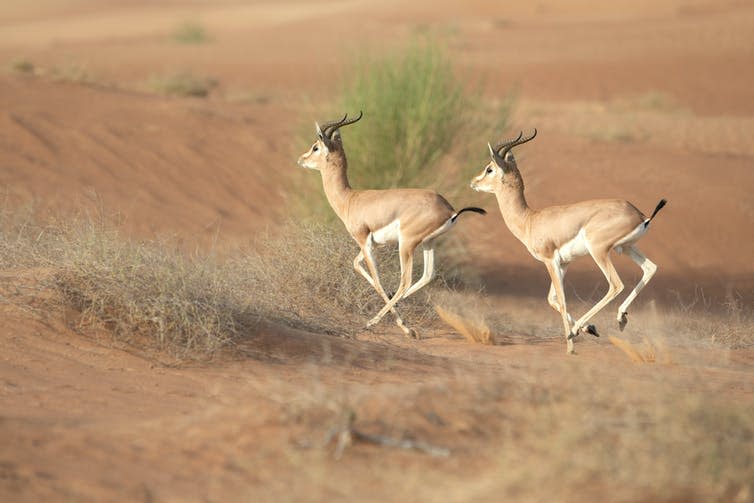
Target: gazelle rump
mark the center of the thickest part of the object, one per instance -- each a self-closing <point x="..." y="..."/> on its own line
<point x="557" y="235"/>
<point x="410" y="217"/>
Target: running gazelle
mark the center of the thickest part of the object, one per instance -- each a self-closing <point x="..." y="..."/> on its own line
<point x="559" y="234"/>
<point x="412" y="217"/>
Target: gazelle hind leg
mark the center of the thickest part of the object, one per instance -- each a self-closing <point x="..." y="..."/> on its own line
<point x="648" y="269"/>
<point x="429" y="273"/>
<point x="374" y="279"/>
<point x="557" y="272"/>
<point x="407" y="261"/>
<point x="615" y="287"/>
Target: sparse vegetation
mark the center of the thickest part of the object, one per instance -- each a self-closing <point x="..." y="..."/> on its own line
<point x="74" y="73"/>
<point x="182" y="84"/>
<point x="190" y="32"/>
<point x="152" y="293"/>
<point x="325" y="292"/>
<point x="474" y="330"/>
<point x="22" y="66"/>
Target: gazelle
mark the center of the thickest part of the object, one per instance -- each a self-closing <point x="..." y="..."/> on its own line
<point x="412" y="217"/>
<point x="559" y="234"/>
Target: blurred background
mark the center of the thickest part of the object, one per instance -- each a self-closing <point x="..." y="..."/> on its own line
<point x="186" y="117"/>
<point x="180" y="316"/>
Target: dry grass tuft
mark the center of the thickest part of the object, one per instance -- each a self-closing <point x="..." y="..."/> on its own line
<point x="307" y="272"/>
<point x="648" y="352"/>
<point x="153" y="295"/>
<point x="473" y="330"/>
<point x="182" y="84"/>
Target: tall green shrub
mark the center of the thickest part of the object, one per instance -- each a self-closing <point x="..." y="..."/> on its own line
<point x="419" y="117"/>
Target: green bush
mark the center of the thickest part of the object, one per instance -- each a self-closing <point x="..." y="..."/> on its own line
<point x="419" y="116"/>
<point x="190" y="32"/>
<point x="182" y="84"/>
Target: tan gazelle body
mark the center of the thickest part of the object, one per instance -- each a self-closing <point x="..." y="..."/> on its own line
<point x="410" y="217"/>
<point x="559" y="234"/>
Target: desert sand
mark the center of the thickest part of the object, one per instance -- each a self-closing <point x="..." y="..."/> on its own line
<point x="638" y="100"/>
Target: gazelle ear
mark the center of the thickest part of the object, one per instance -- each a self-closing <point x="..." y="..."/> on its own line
<point x="497" y="159"/>
<point x="336" y="136"/>
<point x="319" y="131"/>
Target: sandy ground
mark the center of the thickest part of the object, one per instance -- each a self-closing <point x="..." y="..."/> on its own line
<point x="637" y="100"/>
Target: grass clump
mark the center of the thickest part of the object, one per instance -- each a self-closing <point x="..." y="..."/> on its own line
<point x="22" y="66"/>
<point x="75" y="73"/>
<point x="183" y="85"/>
<point x="146" y="294"/>
<point x="307" y="274"/>
<point x="153" y="296"/>
<point x="475" y="331"/>
<point x="190" y="32"/>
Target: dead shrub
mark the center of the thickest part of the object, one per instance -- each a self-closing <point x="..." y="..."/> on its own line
<point x="153" y="294"/>
<point x="473" y="330"/>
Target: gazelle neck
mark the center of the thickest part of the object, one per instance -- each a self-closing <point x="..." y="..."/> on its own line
<point x="335" y="182"/>
<point x="513" y="207"/>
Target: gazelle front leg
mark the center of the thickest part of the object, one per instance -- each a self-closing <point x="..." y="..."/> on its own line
<point x="406" y="253"/>
<point x="556" y="276"/>
<point x="615" y="287"/>
<point x="552" y="297"/>
<point x="374" y="280"/>
<point x="648" y="268"/>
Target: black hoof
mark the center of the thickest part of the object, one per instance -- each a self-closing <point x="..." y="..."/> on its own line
<point x="622" y="321"/>
<point x="571" y="336"/>
<point x="591" y="329"/>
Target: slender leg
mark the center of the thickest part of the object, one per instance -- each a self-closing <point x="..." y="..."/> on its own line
<point x="615" y="287"/>
<point x="556" y="276"/>
<point x="648" y="268"/>
<point x="374" y="280"/>
<point x="407" y="261"/>
<point x="552" y="297"/>
<point x="429" y="272"/>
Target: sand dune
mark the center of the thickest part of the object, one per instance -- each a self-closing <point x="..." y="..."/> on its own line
<point x="636" y="100"/>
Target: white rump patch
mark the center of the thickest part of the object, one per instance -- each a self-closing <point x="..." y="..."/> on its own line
<point x="632" y="236"/>
<point x="388" y="234"/>
<point x="440" y="230"/>
<point x="576" y="247"/>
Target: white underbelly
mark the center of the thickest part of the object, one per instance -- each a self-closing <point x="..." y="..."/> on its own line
<point x="573" y="249"/>
<point x="388" y="234"/>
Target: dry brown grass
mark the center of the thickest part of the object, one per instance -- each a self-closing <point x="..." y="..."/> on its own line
<point x="307" y="271"/>
<point x="647" y="352"/>
<point x="196" y="304"/>
<point x="537" y="431"/>
<point x="534" y="430"/>
<point x="473" y="330"/>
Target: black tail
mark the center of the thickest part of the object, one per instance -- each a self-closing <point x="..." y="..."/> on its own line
<point x="659" y="206"/>
<point x="470" y="208"/>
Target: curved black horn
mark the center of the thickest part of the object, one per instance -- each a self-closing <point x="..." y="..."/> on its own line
<point x="329" y="129"/>
<point x="500" y="146"/>
<point x="327" y="125"/>
<point x="351" y="121"/>
<point x="518" y="141"/>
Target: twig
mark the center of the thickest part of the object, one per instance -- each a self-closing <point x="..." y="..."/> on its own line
<point x="432" y="450"/>
<point x="346" y="434"/>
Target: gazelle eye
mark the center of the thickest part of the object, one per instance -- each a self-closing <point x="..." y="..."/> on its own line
<point x="315" y="148"/>
<point x="489" y="170"/>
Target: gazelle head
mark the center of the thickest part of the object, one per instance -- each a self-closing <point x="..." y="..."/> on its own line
<point x="328" y="140"/>
<point x="502" y="169"/>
